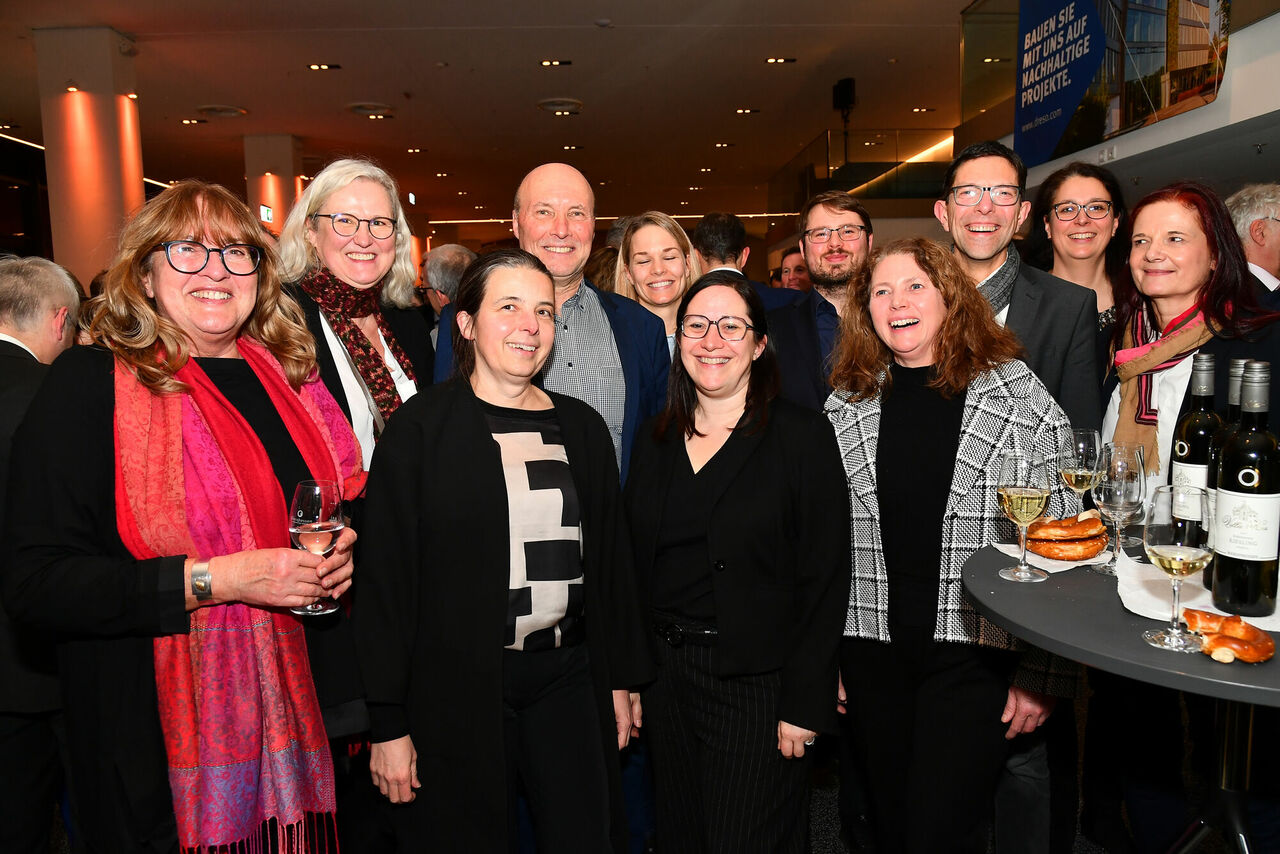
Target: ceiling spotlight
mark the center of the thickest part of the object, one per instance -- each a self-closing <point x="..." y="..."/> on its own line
<point x="994" y="59"/>
<point x="724" y="145"/>
<point x="7" y="126"/>
<point x="442" y="174"/>
<point x="873" y="142"/>
<point x="380" y="116"/>
<point x="684" y="203"/>
<point x="71" y="86"/>
<point x="695" y="188"/>
<point x="563" y="113"/>
<point x="324" y="66"/>
<point x="550" y="63"/>
<point x="705" y="169"/>
<point x="743" y="111"/>
<point x="132" y="96"/>
<point x="570" y="148"/>
<point x="561" y="106"/>
<point x="779" y="60"/>
<point x="195" y="121"/>
<point x="462" y="192"/>
<point x="923" y="109"/>
<point x="479" y="207"/>
<point x="414" y="150"/>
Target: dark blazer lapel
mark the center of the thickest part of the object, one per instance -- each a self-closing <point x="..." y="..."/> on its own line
<point x="478" y="481"/>
<point x="732" y="456"/>
<point x="648" y="485"/>
<point x="1023" y="318"/>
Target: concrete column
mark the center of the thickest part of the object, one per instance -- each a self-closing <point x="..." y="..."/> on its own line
<point x="272" y="170"/>
<point x="93" y="150"/>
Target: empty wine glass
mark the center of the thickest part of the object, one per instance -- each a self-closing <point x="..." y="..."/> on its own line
<point x="1118" y="493"/>
<point x="1078" y="462"/>
<point x="1022" y="490"/>
<point x="1176" y="539"/>
<point x="315" y="523"/>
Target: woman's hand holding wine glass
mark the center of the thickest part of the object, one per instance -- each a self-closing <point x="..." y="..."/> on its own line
<point x="315" y="523"/>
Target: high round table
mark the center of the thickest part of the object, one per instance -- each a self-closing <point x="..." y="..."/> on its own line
<point x="1077" y="614"/>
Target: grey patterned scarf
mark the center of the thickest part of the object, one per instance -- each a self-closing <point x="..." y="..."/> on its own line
<point x="998" y="288"/>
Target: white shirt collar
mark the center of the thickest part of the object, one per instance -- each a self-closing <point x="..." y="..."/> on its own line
<point x="13" y="340"/>
<point x="1264" y="276"/>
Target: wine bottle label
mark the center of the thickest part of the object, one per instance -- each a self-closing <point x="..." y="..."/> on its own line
<point x="1213" y="516"/>
<point x="1247" y="527"/>
<point x="1189" y="474"/>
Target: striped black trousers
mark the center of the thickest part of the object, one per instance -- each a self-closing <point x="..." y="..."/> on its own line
<point x="721" y="784"/>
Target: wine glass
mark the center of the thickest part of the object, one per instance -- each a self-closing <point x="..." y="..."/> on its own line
<point x="1022" y="491"/>
<point x="1078" y="462"/>
<point x="1176" y="538"/>
<point x="315" y="522"/>
<point x="1118" y="493"/>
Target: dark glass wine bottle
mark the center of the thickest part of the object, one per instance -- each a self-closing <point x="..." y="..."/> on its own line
<point x="1195" y="428"/>
<point x="1230" y="421"/>
<point x="1246" y="529"/>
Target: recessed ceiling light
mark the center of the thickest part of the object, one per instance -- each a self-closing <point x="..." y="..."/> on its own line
<point x="570" y="148"/>
<point x="724" y="145"/>
<point x="923" y="109"/>
<point x="414" y="150"/>
<point x="370" y="109"/>
<point x="695" y="188"/>
<point x="779" y="60"/>
<point x="743" y="111"/>
<point x="377" y="116"/>
<point x="72" y="86"/>
<point x="684" y="203"/>
<point x="132" y="96"/>
<point x="462" y="192"/>
<point x="705" y="169"/>
<point x="8" y="126"/>
<point x="195" y="121"/>
<point x="873" y="142"/>
<point x="994" y="59"/>
<point x="324" y="66"/>
<point x="563" y="113"/>
<point x="442" y="174"/>
<point x="479" y="207"/>
<point x="549" y="63"/>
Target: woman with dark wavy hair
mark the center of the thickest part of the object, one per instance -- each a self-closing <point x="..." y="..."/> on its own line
<point x="159" y="550"/>
<point x="736" y="505"/>
<point x="929" y="391"/>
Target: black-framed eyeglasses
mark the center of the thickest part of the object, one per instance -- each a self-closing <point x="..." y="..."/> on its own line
<point x="346" y="225"/>
<point x="1067" y="211"/>
<point x="849" y="233"/>
<point x="730" y="328"/>
<point x="191" y="256"/>
<point x="968" y="195"/>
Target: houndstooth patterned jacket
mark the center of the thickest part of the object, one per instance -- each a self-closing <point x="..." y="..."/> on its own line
<point x="1003" y="408"/>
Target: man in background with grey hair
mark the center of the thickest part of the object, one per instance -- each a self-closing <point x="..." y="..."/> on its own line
<point x="442" y="270"/>
<point x="1255" y="211"/>
<point x="39" y="302"/>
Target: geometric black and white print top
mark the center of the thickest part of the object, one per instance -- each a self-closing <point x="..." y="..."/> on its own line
<point x="544" y="594"/>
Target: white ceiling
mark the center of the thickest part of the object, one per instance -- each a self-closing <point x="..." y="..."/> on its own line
<point x="660" y="81"/>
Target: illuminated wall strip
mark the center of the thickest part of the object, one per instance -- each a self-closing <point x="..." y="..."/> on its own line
<point x="40" y="147"/>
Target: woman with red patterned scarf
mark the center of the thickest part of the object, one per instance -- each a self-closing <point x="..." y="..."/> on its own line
<point x="158" y="549"/>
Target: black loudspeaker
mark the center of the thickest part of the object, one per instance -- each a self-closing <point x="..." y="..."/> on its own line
<point x="842" y="94"/>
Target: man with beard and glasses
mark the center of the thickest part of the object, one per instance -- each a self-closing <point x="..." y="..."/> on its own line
<point x="982" y="207"/>
<point x="835" y="238"/>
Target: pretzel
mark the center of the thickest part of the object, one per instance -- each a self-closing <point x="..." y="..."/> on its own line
<point x="1228" y="638"/>
<point x="1073" y="538"/>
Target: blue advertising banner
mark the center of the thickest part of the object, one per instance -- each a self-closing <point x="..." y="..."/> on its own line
<point x="1061" y="47"/>
<point x="1090" y="70"/>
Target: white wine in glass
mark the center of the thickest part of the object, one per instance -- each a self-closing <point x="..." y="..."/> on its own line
<point x="1078" y="463"/>
<point x="1022" y="491"/>
<point x="315" y="523"/>
<point x="1176" y="540"/>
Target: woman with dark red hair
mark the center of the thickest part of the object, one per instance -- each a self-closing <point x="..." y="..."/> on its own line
<point x="1187" y="290"/>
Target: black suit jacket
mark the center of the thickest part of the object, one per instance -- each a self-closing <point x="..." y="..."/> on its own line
<point x="28" y="665"/>
<point x="407" y="325"/>
<point x="793" y="329"/>
<point x="1057" y="323"/>
<point x="1268" y="299"/>
<point x="777" y="549"/>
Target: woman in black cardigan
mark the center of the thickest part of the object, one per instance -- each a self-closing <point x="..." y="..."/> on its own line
<point x="738" y="509"/>
<point x="497" y="627"/>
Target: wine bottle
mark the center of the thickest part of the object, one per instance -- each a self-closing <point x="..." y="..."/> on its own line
<point x="1246" y="527"/>
<point x="1195" y="428"/>
<point x="1230" y="421"/>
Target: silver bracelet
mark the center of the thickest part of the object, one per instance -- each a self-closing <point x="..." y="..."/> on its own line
<point x="201" y="581"/>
